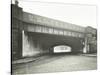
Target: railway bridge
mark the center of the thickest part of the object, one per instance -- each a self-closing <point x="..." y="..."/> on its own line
<point x="33" y="34"/>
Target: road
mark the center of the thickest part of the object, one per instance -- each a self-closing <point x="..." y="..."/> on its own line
<point x="57" y="63"/>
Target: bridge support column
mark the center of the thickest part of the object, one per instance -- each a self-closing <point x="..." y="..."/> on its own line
<point x="32" y="45"/>
<point x="86" y="47"/>
<point x="16" y="41"/>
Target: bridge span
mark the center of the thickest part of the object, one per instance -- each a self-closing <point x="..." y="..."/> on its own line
<point x="33" y="34"/>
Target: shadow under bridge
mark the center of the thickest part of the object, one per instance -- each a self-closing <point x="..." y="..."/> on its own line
<point x="41" y="43"/>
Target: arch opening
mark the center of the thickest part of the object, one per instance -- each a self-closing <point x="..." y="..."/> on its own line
<point x="61" y="48"/>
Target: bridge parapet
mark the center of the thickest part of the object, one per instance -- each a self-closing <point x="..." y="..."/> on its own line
<point x="44" y="21"/>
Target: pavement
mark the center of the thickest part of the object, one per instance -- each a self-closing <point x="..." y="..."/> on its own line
<point x="30" y="59"/>
<point x="92" y="55"/>
<point x="56" y="63"/>
<point x="26" y="59"/>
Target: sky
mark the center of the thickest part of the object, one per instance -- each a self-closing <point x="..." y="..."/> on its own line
<point x="82" y="15"/>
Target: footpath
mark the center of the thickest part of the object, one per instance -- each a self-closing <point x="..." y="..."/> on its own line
<point x="91" y="55"/>
<point x="27" y="59"/>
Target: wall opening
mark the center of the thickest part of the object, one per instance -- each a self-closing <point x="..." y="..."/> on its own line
<point x="62" y="49"/>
